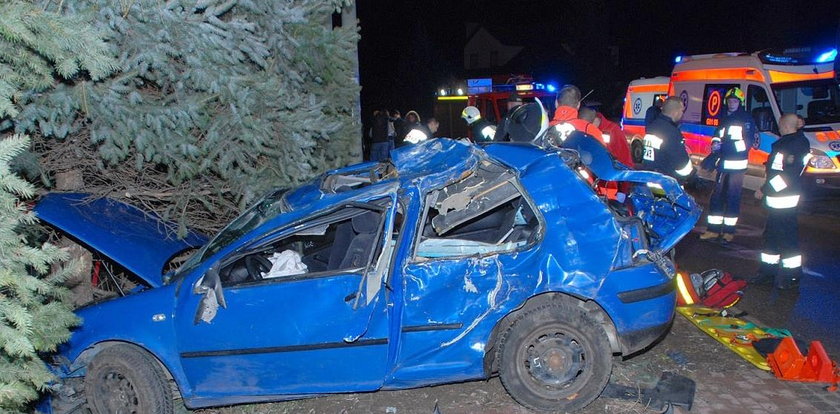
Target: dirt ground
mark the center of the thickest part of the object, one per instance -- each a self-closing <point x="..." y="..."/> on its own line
<point x="685" y="350"/>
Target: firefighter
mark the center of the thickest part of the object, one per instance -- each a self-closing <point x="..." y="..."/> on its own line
<point x="732" y="144"/>
<point x="664" y="145"/>
<point x="781" y="261"/>
<point x="482" y="130"/>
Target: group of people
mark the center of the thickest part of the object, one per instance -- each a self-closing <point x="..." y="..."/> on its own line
<point x="390" y="130"/>
<point x="665" y="152"/>
<point x="524" y="122"/>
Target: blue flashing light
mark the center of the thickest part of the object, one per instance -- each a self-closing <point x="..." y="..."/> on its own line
<point x="827" y="56"/>
<point x="678" y="59"/>
<point x="551" y="88"/>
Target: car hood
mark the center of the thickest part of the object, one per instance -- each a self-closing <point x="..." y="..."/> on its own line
<point x="138" y="241"/>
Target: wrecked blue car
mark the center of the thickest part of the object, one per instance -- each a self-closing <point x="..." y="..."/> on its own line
<point x="451" y="262"/>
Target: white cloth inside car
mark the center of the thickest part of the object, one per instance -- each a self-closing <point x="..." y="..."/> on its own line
<point x="285" y="263"/>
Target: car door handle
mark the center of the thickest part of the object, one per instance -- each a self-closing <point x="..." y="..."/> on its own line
<point x="350" y="297"/>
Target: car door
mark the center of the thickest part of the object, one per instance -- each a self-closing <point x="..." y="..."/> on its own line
<point x="318" y="325"/>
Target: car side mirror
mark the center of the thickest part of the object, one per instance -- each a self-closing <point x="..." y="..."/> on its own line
<point x="210" y="287"/>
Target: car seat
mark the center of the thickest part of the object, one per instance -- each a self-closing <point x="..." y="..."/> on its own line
<point x="359" y="249"/>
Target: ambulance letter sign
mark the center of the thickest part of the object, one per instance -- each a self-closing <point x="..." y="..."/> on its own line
<point x="713" y="106"/>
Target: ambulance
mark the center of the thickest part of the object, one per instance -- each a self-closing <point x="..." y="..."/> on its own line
<point x="641" y="94"/>
<point x="776" y="82"/>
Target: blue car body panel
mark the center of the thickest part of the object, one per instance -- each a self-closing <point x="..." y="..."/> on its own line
<point x="427" y="320"/>
<point x="138" y="240"/>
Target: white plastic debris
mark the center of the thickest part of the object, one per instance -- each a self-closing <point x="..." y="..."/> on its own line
<point x="285" y="263"/>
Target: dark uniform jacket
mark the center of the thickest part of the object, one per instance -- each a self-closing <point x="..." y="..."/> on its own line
<point x="665" y="149"/>
<point x="736" y="135"/>
<point x="783" y="169"/>
<point x="482" y="130"/>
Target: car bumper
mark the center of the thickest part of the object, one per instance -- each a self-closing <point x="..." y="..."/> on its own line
<point x="641" y="303"/>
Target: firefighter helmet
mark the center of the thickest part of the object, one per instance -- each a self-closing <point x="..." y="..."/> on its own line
<point x="471" y="114"/>
<point x="735" y="92"/>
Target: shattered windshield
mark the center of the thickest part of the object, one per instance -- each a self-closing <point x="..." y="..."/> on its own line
<point x="816" y="101"/>
<point x="268" y="207"/>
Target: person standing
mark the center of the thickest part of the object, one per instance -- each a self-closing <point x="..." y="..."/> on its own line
<point x="664" y="144"/>
<point x="732" y="143"/>
<point x="412" y="121"/>
<point x="781" y="260"/>
<point x="615" y="139"/>
<point x="422" y="132"/>
<point x="566" y="116"/>
<point x="380" y="148"/>
<point x="482" y="130"/>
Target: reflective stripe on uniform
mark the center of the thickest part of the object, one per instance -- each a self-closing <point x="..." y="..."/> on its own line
<point x="730" y="221"/>
<point x="720" y="135"/>
<point x="714" y="219"/>
<point x="653" y="141"/>
<point x="778" y="162"/>
<point x="740" y="146"/>
<point x="736" y="132"/>
<point x="488" y="132"/>
<point x="782" y="202"/>
<point x="606" y="138"/>
<point x="778" y="183"/>
<point x="770" y="258"/>
<point x="564" y="130"/>
<point x="792" y="262"/>
<point x="735" y="164"/>
<point x="684" y="171"/>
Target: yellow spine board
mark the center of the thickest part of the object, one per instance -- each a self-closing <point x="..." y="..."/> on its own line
<point x="734" y="333"/>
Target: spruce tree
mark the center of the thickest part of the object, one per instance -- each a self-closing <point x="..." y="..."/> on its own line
<point x="34" y="44"/>
<point x="33" y="317"/>
<point x="215" y="102"/>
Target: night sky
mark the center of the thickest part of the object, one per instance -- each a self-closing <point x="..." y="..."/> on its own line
<point x="409" y="49"/>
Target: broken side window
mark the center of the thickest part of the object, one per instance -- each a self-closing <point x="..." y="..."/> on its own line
<point x="342" y="242"/>
<point x="484" y="213"/>
<point x="358" y="178"/>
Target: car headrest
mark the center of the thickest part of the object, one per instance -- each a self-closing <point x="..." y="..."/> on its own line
<point x="366" y="222"/>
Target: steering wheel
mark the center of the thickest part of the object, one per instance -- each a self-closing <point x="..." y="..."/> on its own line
<point x="257" y="265"/>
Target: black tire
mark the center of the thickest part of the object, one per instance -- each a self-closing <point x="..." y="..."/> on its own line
<point x="637" y="151"/>
<point x="123" y="379"/>
<point x="576" y="352"/>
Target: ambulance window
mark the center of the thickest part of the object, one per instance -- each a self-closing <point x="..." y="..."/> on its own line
<point x="714" y="106"/>
<point x="759" y="106"/>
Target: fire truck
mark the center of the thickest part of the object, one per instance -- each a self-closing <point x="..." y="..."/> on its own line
<point x="801" y="81"/>
<point x="491" y="96"/>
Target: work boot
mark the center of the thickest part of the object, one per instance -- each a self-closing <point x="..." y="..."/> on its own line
<point x="709" y="235"/>
<point x="728" y="237"/>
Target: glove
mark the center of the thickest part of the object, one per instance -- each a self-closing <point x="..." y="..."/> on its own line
<point x="710" y="162"/>
<point x="758" y="194"/>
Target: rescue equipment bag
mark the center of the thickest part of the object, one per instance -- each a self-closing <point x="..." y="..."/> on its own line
<point x="713" y="288"/>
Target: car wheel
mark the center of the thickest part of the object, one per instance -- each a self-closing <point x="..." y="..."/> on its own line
<point x="124" y="379"/>
<point x="555" y="358"/>
<point x="638" y="151"/>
